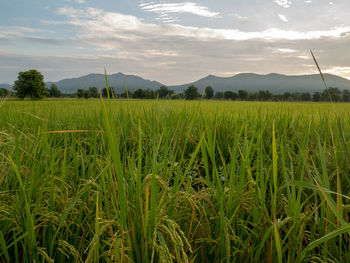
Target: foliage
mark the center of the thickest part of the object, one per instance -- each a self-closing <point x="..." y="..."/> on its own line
<point x="346" y="95"/>
<point x="229" y="95"/>
<point x="209" y="92"/>
<point x="262" y="95"/>
<point x="111" y="91"/>
<point x="81" y="93"/>
<point x="164" y="92"/>
<point x="191" y="93"/>
<point x="30" y="83"/>
<point x="4" y="92"/>
<point x="93" y="92"/>
<point x="219" y="95"/>
<point x="242" y="94"/>
<point x="54" y="91"/>
<point x="331" y="94"/>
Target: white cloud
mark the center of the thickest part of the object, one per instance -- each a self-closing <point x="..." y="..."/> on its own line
<point x="340" y="71"/>
<point x="184" y="7"/>
<point x="99" y="26"/>
<point x="283" y="3"/>
<point x="303" y="57"/>
<point x="285" y="50"/>
<point x="15" y="32"/>
<point x="283" y="17"/>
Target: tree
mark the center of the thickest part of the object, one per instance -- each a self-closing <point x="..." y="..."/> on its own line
<point x="30" y="83"/>
<point x="81" y="93"/>
<point x="219" y="95"/>
<point x="87" y="94"/>
<point x="305" y="96"/>
<point x="54" y="91"/>
<point x="163" y="92"/>
<point x="111" y="92"/>
<point x="229" y="95"/>
<point x="346" y="95"/>
<point x="264" y="95"/>
<point x="4" y="92"/>
<point x="139" y="94"/>
<point x="178" y="96"/>
<point x="286" y="96"/>
<point x="104" y="92"/>
<point x="331" y="94"/>
<point x="94" y="92"/>
<point x="209" y="92"/>
<point x="150" y="94"/>
<point x="316" y="96"/>
<point x="242" y="94"/>
<point x="191" y="93"/>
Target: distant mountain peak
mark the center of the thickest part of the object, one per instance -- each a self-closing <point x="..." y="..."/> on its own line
<point x="116" y="81"/>
<point x="274" y="82"/>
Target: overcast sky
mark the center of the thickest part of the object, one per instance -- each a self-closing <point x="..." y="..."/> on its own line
<point x="171" y="41"/>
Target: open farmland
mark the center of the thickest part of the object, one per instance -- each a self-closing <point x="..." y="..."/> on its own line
<point x="174" y="181"/>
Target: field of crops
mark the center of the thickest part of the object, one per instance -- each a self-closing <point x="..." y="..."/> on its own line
<point x="174" y="181"/>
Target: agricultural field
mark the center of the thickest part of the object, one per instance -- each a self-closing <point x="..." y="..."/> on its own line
<point x="174" y="181"/>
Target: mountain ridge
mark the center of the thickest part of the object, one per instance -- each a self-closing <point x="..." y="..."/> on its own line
<point x="117" y="81"/>
<point x="274" y="82"/>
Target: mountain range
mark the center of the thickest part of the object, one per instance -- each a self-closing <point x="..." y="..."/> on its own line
<point x="275" y="83"/>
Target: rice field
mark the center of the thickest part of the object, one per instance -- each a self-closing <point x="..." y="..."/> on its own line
<point x="174" y="181"/>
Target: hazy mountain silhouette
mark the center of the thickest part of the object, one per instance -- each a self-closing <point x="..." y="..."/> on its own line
<point x="275" y="83"/>
<point x="117" y="81"/>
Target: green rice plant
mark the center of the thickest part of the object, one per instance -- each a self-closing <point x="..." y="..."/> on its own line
<point x="173" y="181"/>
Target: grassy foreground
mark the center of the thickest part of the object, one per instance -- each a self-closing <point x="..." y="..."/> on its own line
<point x="174" y="181"/>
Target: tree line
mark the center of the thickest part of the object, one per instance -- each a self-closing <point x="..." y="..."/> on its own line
<point x="31" y="84"/>
<point x="191" y="93"/>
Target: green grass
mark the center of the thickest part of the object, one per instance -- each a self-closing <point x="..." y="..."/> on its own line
<point x="174" y="181"/>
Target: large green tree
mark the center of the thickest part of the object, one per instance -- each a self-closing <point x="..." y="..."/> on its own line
<point x="30" y="84"/>
<point x="191" y="93"/>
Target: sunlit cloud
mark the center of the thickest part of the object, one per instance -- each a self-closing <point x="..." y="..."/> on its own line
<point x="283" y="3"/>
<point x="283" y="17"/>
<point x="285" y="50"/>
<point x="94" y="23"/>
<point x="184" y="7"/>
<point x="342" y="71"/>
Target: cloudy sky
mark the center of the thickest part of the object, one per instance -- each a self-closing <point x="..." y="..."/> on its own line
<point x="173" y="41"/>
